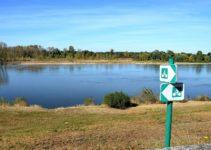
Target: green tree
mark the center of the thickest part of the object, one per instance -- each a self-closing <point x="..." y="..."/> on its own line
<point x="36" y="52"/>
<point x="199" y="56"/>
<point x="170" y="53"/>
<point x="209" y="55"/>
<point x="144" y="56"/>
<point x="191" y="58"/>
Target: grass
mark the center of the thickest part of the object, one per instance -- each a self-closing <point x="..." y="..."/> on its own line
<point x="99" y="127"/>
<point x="18" y="101"/>
<point x="89" y="101"/>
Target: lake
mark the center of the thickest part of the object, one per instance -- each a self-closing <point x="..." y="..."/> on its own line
<point x="67" y="85"/>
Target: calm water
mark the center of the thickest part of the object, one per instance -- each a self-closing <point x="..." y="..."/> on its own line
<point x="65" y="85"/>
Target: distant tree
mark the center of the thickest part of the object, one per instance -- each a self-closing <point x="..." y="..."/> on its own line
<point x="126" y="54"/>
<point x="199" y="56"/>
<point x="70" y="53"/>
<point x="144" y="56"/>
<point x="209" y="55"/>
<point x="156" y="55"/>
<point x="191" y="58"/>
<point x="71" y="49"/>
<point x="170" y="53"/>
<point x="23" y="53"/>
<point x="206" y="58"/>
<point x="112" y="51"/>
<point x="54" y="52"/>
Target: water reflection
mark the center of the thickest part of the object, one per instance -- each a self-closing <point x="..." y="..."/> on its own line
<point x="208" y="68"/>
<point x="153" y="67"/>
<point x="30" y="68"/>
<point x="199" y="68"/>
<point x="3" y="75"/>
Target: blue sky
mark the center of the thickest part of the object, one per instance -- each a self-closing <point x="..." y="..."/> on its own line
<point x="99" y="25"/>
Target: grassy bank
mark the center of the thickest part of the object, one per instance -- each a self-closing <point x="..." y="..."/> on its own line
<point x="101" y="127"/>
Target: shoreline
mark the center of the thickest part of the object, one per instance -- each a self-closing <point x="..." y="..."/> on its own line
<point x="83" y="62"/>
<point x="145" y="105"/>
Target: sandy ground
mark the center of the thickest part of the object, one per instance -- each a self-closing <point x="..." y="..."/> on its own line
<point x="118" y="61"/>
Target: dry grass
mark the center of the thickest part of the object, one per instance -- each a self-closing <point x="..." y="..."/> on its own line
<point x="99" y="127"/>
<point x="96" y="61"/>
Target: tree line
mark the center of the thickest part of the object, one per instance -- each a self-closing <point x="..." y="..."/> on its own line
<point x="37" y="52"/>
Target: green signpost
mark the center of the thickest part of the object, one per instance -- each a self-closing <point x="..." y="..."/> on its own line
<point x="170" y="91"/>
<point x="168" y="124"/>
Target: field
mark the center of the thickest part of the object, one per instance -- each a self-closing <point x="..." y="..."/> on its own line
<point x="99" y="127"/>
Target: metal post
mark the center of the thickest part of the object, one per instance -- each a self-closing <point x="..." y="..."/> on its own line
<point x="168" y="124"/>
<point x="169" y="116"/>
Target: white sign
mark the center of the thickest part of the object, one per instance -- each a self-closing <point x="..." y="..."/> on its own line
<point x="168" y="73"/>
<point x="172" y="92"/>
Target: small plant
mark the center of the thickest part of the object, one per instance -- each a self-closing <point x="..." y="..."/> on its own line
<point x="20" y="101"/>
<point x="117" y="100"/>
<point x="146" y="96"/>
<point x="4" y="102"/>
<point x="203" y="98"/>
<point x="88" y="101"/>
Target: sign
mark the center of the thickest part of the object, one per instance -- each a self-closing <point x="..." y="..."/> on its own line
<point x="172" y="92"/>
<point x="168" y="73"/>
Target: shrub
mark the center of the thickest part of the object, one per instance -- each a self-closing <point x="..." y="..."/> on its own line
<point x="20" y="101"/>
<point x="88" y="101"/>
<point x="117" y="100"/>
<point x="4" y="102"/>
<point x="203" y="98"/>
<point x="146" y="96"/>
<point x="184" y="101"/>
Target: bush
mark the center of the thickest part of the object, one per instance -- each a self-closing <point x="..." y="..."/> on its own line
<point x="20" y="101"/>
<point x="4" y="102"/>
<point x="146" y="96"/>
<point x="203" y="98"/>
<point x="88" y="101"/>
<point x="117" y="100"/>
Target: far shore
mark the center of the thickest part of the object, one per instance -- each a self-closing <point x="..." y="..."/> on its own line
<point x="115" y="61"/>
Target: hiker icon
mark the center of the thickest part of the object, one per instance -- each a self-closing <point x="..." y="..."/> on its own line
<point x="164" y="73"/>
